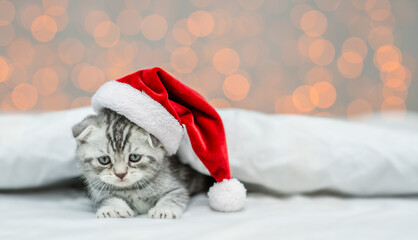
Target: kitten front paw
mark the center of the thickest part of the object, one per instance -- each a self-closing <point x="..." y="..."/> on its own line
<point x="115" y="208"/>
<point x="112" y="212"/>
<point x="164" y="212"/>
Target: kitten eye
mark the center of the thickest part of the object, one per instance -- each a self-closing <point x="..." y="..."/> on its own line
<point x="134" y="157"/>
<point x="104" y="160"/>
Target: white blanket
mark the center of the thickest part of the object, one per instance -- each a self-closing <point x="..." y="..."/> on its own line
<point x="283" y="153"/>
<point x="280" y="153"/>
<point x="68" y="214"/>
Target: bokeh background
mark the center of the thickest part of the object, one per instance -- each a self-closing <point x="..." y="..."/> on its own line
<point x="317" y="57"/>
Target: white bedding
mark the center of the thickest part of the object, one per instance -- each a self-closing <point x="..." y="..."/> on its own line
<point x="68" y="214"/>
<point x="284" y="153"/>
<point x="302" y="155"/>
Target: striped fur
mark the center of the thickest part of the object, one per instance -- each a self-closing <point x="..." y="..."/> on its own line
<point x="157" y="184"/>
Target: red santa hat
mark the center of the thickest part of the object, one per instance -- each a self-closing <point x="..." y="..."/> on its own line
<point x="171" y="111"/>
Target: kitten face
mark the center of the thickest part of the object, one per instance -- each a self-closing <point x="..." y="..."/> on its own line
<point x="117" y="152"/>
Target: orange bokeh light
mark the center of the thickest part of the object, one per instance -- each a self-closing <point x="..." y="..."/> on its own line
<point x="236" y="87"/>
<point x="24" y="96"/>
<point x="387" y="58"/>
<point x="394" y="78"/>
<point x="61" y="20"/>
<point x="223" y="22"/>
<point x="379" y="15"/>
<point x="28" y="14"/>
<point x="170" y="42"/>
<point x="184" y="60"/>
<point x="55" y="102"/>
<point x="318" y="74"/>
<point x="321" y="52"/>
<point x="219" y="103"/>
<point x="304" y="43"/>
<point x="17" y="75"/>
<point x="313" y="23"/>
<point x="297" y="12"/>
<point x="226" y="61"/>
<point x="285" y="105"/>
<point x="116" y="72"/>
<point x="44" y="28"/>
<point x="380" y="36"/>
<point x="7" y="103"/>
<point x="393" y="103"/>
<point x="389" y="22"/>
<point x="400" y="92"/>
<point x="350" y="65"/>
<point x="380" y="10"/>
<point x="323" y="94"/>
<point x="4" y="69"/>
<point x="352" y="57"/>
<point x="181" y="34"/>
<point x="93" y="19"/>
<point x="46" y="81"/>
<point x="7" y="12"/>
<point x="129" y="22"/>
<point x="200" y="23"/>
<point x="55" y="11"/>
<point x="305" y="98"/>
<point x="123" y="53"/>
<point x="71" y="51"/>
<point x="356" y="45"/>
<point x="55" y="3"/>
<point x="107" y="34"/>
<point x="209" y="79"/>
<point x="359" y="26"/>
<point x="359" y="107"/>
<point x="90" y="78"/>
<point x="21" y="51"/>
<point x="154" y="27"/>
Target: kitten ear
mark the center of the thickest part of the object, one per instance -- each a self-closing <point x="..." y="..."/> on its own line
<point x="153" y="141"/>
<point x="82" y="138"/>
<point x="84" y="128"/>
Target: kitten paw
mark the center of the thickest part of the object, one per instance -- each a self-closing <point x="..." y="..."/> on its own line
<point x="164" y="212"/>
<point x="115" y="208"/>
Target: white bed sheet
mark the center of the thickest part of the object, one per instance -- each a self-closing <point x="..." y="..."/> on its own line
<point x="68" y="214"/>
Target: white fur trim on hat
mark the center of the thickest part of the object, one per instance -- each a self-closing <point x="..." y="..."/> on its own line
<point x="142" y="110"/>
<point x="227" y="196"/>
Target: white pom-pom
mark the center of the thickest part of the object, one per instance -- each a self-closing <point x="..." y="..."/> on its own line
<point x="227" y="196"/>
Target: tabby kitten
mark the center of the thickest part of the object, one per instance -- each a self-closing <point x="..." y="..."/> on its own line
<point x="128" y="172"/>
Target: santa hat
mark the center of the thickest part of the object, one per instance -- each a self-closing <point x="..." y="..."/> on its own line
<point x="176" y="115"/>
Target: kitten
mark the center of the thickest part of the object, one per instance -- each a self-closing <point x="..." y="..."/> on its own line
<point x="128" y="172"/>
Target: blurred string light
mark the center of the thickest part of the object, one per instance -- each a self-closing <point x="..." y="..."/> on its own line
<point x="318" y="57"/>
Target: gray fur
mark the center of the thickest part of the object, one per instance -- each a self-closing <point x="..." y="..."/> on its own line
<point x="157" y="184"/>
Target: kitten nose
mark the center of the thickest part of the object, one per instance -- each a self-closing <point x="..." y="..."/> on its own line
<point x="121" y="175"/>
